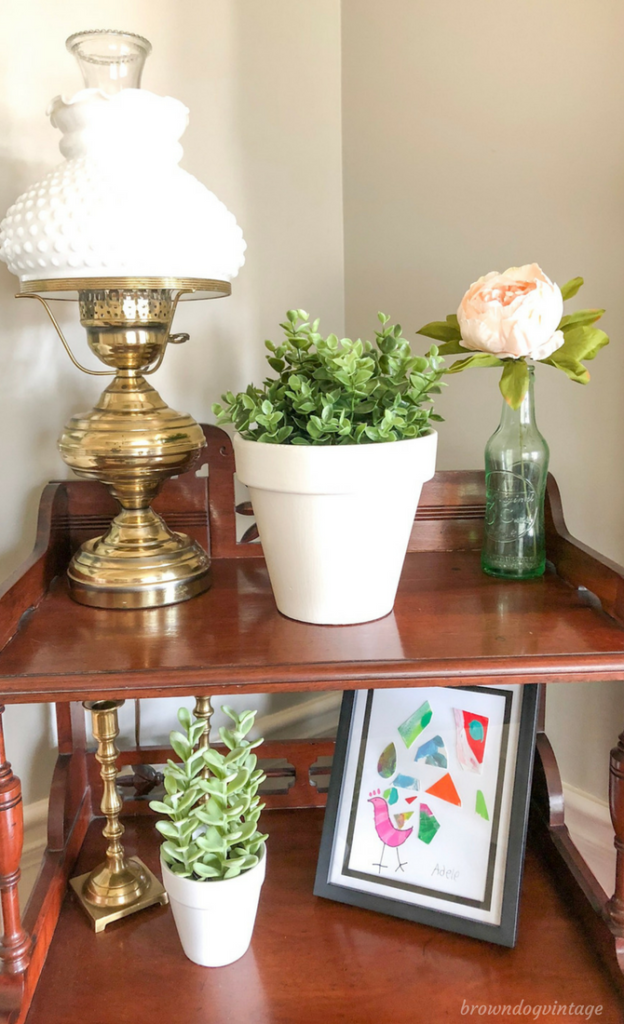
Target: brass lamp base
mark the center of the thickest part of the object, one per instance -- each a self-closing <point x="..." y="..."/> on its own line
<point x="139" y="563"/>
<point x="132" y="441"/>
<point x="151" y="892"/>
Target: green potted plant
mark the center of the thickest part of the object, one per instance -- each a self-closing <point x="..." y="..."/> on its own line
<point x="334" y="450"/>
<point x="213" y="857"/>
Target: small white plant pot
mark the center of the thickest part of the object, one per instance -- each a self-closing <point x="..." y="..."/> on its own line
<point x="215" y="919"/>
<point x="335" y="521"/>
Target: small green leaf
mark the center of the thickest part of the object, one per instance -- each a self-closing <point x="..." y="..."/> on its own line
<point x="247" y="830"/>
<point x="171" y="852"/>
<point x="184" y="718"/>
<point x="206" y="870"/>
<point x="237" y="781"/>
<point x="159" y="807"/>
<point x="514" y="382"/>
<point x="168" y="829"/>
<point x="571" y="287"/>
<point x="171" y="784"/>
<point x="181" y="745"/>
<point x="196" y="730"/>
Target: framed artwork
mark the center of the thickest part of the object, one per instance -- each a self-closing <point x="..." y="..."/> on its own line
<point x="428" y="806"/>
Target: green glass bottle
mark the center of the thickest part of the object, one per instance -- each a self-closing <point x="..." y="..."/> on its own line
<point x="516" y="467"/>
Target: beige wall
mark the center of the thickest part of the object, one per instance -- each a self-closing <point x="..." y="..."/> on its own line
<point x="471" y="141"/>
<point x="262" y="82"/>
<point x="477" y="136"/>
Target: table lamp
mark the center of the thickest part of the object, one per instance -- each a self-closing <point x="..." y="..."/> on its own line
<point x="123" y="226"/>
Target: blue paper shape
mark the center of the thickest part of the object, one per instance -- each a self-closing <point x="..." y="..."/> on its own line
<point x="433" y="752"/>
<point x="406" y="782"/>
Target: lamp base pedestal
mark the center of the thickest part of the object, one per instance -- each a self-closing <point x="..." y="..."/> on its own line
<point x="101" y="916"/>
<point x="139" y="563"/>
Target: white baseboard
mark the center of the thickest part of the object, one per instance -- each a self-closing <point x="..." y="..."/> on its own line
<point x="589" y="822"/>
<point x="35" y="838"/>
<point x="314" y="718"/>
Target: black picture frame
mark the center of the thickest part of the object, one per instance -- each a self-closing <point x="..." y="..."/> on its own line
<point x="503" y="933"/>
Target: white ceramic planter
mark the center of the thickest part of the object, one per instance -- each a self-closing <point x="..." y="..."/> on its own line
<point x="215" y="919"/>
<point x="335" y="522"/>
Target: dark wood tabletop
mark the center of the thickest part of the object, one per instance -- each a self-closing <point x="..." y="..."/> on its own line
<point x="313" y="961"/>
<point x="451" y="624"/>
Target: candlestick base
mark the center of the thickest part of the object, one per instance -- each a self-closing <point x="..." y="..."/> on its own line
<point x="100" y="917"/>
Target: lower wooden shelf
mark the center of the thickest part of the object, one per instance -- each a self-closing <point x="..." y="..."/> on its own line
<point x="313" y="960"/>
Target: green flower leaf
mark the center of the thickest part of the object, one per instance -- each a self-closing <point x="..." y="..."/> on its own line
<point x="581" y="343"/>
<point x="581" y="318"/>
<point x="478" y="359"/>
<point x="452" y="348"/>
<point x="514" y="382"/>
<point x="570" y="366"/>
<point x="441" y="330"/>
<point x="571" y="287"/>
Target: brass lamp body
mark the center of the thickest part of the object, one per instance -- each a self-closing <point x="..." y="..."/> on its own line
<point x="132" y="441"/>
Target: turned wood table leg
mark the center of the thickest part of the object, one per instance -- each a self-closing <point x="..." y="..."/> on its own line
<point x="615" y="906"/>
<point x="15" y="944"/>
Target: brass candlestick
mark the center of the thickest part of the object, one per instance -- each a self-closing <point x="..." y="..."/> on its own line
<point x="120" y="885"/>
<point x="203" y="710"/>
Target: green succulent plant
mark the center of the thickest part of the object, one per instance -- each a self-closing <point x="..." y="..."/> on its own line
<point x="211" y="831"/>
<point x="330" y="391"/>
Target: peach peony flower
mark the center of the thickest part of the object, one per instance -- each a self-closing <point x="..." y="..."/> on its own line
<point x="512" y="314"/>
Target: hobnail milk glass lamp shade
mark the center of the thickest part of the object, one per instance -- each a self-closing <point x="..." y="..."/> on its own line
<point x="119" y="205"/>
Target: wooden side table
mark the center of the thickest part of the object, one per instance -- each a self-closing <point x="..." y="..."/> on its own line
<point x="310" y="959"/>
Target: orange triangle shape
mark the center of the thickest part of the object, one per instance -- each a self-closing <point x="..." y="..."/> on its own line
<point x="444" y="788"/>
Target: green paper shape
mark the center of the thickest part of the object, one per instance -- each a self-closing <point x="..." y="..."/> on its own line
<point x="386" y="766"/>
<point x="481" y="806"/>
<point x="402" y="818"/>
<point x="428" y="825"/>
<point x="416" y="723"/>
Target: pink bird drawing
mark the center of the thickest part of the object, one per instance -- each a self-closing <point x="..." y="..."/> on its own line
<point x="389" y="835"/>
